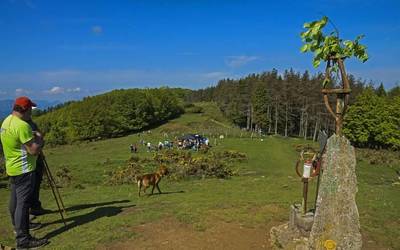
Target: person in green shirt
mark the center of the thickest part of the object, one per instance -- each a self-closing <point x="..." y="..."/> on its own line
<point x="21" y="147"/>
<point x="37" y="209"/>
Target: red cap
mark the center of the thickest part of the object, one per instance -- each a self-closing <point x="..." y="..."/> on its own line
<point x="24" y="102"/>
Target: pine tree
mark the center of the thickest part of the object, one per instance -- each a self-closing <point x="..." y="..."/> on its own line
<point x="260" y="102"/>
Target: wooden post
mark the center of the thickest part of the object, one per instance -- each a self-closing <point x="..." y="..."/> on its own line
<point x="342" y="95"/>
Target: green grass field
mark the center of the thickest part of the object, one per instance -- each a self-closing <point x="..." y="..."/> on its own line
<point x="101" y="215"/>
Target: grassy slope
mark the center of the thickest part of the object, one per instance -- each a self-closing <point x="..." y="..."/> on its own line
<point x="260" y="196"/>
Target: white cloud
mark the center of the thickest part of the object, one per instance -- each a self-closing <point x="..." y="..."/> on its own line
<point x="238" y="61"/>
<point x="76" y="82"/>
<point x="74" y="90"/>
<point x="97" y="29"/>
<point x="20" y="92"/>
<point x="55" y="90"/>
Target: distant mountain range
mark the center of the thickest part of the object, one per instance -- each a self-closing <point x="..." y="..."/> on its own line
<point x="6" y="106"/>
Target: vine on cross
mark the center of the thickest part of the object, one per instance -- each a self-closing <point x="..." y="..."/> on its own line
<point x="332" y="50"/>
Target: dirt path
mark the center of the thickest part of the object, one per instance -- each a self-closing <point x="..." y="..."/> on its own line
<point x="171" y="234"/>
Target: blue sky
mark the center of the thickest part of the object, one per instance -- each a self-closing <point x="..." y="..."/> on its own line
<point x="59" y="50"/>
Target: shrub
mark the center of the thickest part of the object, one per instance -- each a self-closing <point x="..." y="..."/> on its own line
<point x="63" y="176"/>
<point x="194" y="109"/>
<point x="181" y="164"/>
<point x="379" y="157"/>
<point x="125" y="174"/>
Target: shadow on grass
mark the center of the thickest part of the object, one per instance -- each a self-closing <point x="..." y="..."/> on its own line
<point x="174" y="192"/>
<point x="3" y="185"/>
<point x="79" y="220"/>
<point x="86" y="206"/>
<point x="100" y="204"/>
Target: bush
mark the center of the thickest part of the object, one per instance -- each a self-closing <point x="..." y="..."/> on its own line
<point x="181" y="164"/>
<point x="63" y="176"/>
<point x="379" y="157"/>
<point x="125" y="174"/>
<point x="194" y="109"/>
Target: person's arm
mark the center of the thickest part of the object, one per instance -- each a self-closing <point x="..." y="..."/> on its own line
<point x="33" y="142"/>
<point x="34" y="146"/>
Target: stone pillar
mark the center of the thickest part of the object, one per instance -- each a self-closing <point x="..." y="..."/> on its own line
<point x="336" y="222"/>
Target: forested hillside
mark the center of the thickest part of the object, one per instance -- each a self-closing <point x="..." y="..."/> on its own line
<point x="291" y="104"/>
<point x="112" y="114"/>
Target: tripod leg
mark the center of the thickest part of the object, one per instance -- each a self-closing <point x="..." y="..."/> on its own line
<point x="54" y="184"/>
<point x="54" y="194"/>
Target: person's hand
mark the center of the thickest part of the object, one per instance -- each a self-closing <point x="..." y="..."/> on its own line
<point x="37" y="134"/>
<point x="38" y="138"/>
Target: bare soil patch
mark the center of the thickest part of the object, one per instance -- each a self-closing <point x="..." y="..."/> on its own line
<point x="172" y="234"/>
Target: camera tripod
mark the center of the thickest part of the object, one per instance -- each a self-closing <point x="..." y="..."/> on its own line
<point x="54" y="189"/>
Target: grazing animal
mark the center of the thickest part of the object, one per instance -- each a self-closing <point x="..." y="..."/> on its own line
<point x="151" y="179"/>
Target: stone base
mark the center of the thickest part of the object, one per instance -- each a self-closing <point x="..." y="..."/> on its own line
<point x="3" y="247"/>
<point x="285" y="237"/>
<point x="295" y="233"/>
<point x="299" y="221"/>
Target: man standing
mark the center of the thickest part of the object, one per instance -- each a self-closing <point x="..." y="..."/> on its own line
<point x="37" y="208"/>
<point x="21" y="148"/>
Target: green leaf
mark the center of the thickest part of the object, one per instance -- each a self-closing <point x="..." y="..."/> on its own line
<point x="359" y="37"/>
<point x="348" y="43"/>
<point x="324" y="20"/>
<point x="324" y="47"/>
<point x="316" y="63"/>
<point x="364" y="58"/>
<point x="325" y="82"/>
<point x="335" y="68"/>
<point x="304" y="48"/>
<point x="318" y="51"/>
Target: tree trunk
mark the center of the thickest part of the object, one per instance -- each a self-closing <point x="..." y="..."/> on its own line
<point x="316" y="129"/>
<point x="276" y="116"/>
<point x="269" y="111"/>
<point x="301" y="123"/>
<point x="248" y="118"/>
<point x="286" y="120"/>
<point x="251" y="117"/>
<point x="306" y="126"/>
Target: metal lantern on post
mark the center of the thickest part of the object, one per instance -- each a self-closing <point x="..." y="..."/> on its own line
<point x="311" y="162"/>
<point x="310" y="170"/>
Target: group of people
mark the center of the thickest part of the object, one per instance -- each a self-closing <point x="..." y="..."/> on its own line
<point x="22" y="145"/>
<point x="161" y="145"/>
<point x="194" y="142"/>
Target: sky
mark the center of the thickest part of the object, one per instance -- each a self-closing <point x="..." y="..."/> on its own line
<point x="62" y="50"/>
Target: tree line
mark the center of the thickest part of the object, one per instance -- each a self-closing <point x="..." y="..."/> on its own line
<point x="374" y="119"/>
<point x="289" y="104"/>
<point x="112" y="114"/>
